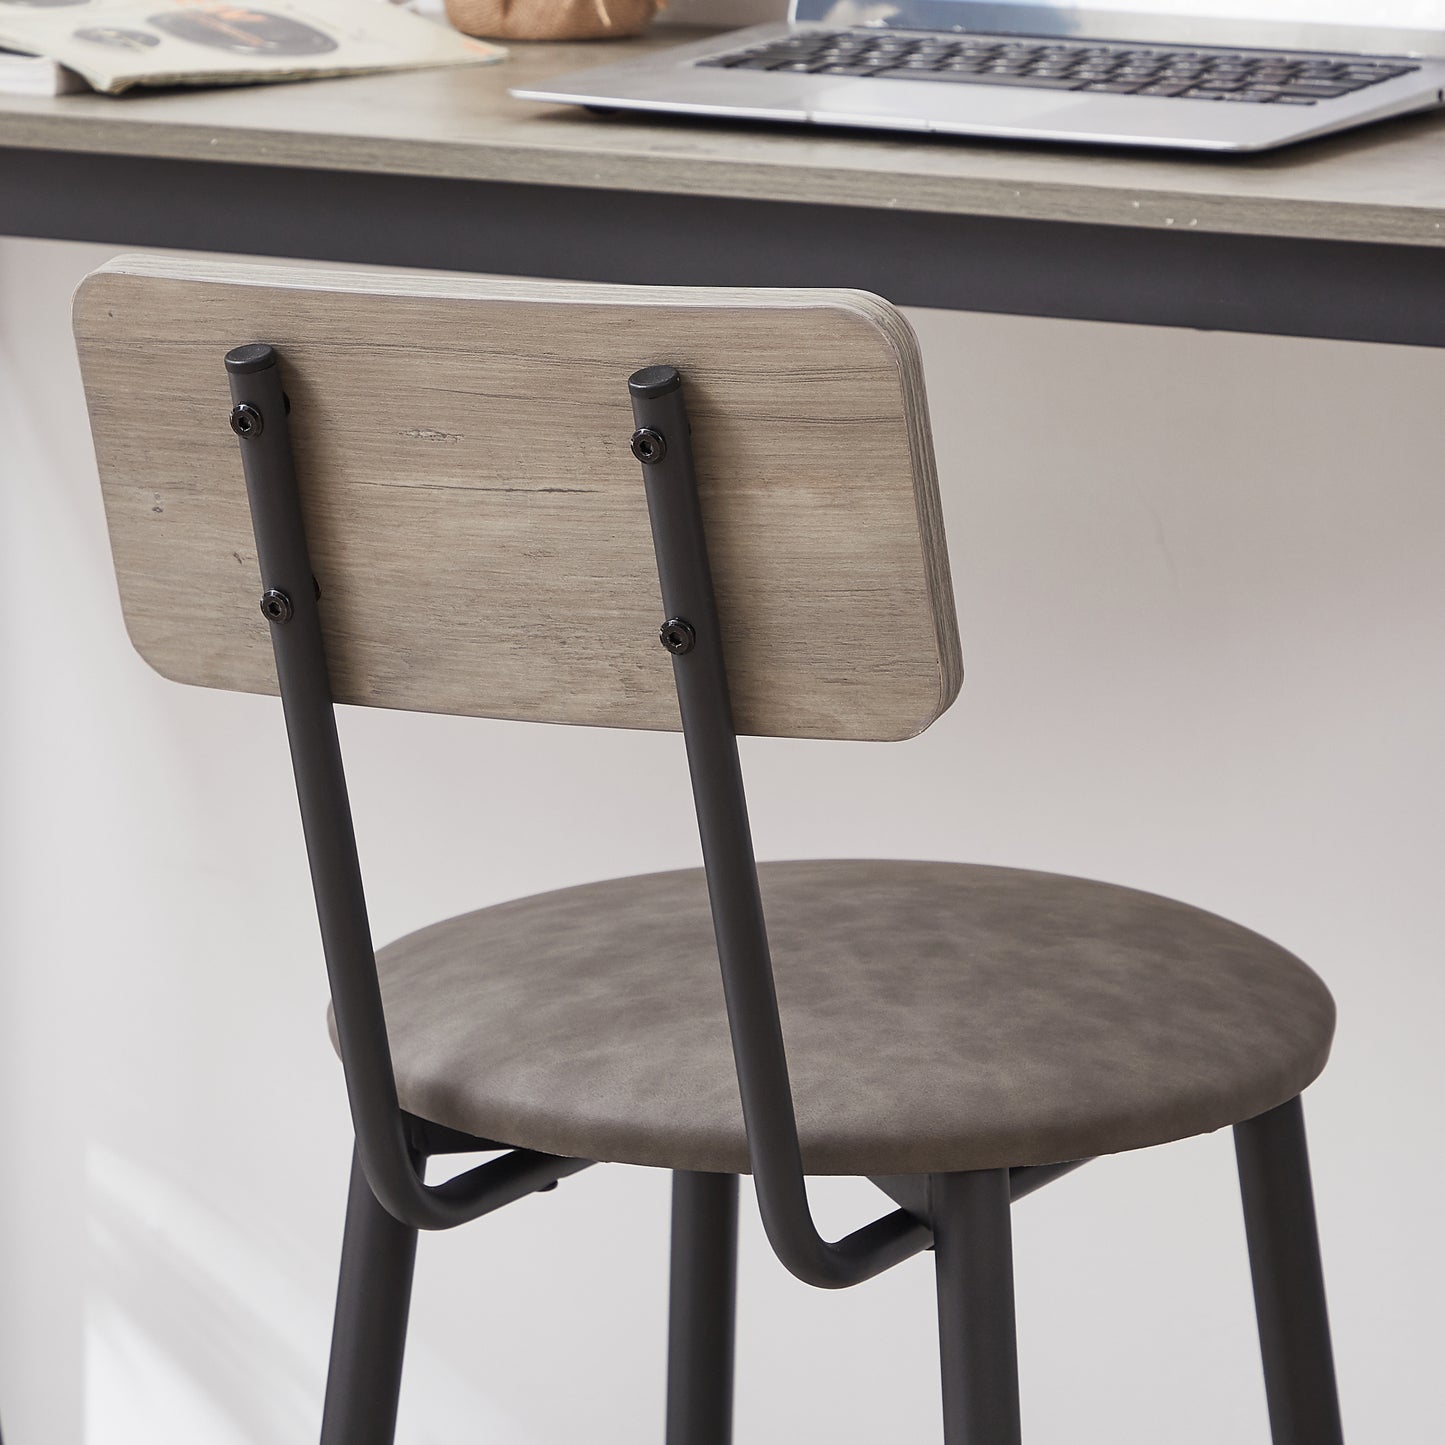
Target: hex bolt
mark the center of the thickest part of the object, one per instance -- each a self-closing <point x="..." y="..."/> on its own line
<point x="648" y="446"/>
<point x="276" y="606"/>
<point x="246" y="421"/>
<point x="677" y="636"/>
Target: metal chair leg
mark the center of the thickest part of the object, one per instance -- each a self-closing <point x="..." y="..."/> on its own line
<point x="703" y="1308"/>
<point x="369" y="1336"/>
<point x="1289" y="1287"/>
<point x="973" y="1252"/>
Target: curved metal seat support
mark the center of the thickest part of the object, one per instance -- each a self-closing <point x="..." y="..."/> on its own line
<point x="289" y="603"/>
<point x="693" y="635"/>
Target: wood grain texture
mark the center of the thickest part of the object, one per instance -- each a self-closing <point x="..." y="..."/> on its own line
<point x="477" y="521"/>
<point x="1383" y="183"/>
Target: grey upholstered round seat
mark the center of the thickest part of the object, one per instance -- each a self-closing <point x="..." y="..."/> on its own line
<point x="937" y="1016"/>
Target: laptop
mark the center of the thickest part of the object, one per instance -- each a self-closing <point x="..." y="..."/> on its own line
<point x="1173" y="73"/>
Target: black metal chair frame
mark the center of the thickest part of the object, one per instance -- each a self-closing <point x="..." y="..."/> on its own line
<point x="964" y="1218"/>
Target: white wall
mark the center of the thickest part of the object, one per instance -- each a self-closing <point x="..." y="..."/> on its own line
<point x="1200" y="579"/>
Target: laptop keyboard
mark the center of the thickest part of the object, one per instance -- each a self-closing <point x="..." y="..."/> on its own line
<point x="1259" y="77"/>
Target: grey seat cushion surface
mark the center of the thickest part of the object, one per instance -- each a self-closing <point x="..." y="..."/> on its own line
<point x="937" y="1016"/>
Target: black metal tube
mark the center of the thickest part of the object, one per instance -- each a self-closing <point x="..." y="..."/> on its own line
<point x="911" y="1190"/>
<point x="368" y="1339"/>
<point x="977" y="1335"/>
<point x="1024" y="1180"/>
<point x="290" y="602"/>
<point x="701" y="677"/>
<point x="702" y="1311"/>
<point x="1289" y="1286"/>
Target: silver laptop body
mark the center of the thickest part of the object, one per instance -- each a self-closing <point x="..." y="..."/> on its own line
<point x="705" y="79"/>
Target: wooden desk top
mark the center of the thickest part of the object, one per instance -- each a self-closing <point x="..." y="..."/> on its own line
<point x="1381" y="184"/>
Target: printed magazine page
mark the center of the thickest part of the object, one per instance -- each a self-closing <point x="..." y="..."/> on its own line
<point x="117" y="44"/>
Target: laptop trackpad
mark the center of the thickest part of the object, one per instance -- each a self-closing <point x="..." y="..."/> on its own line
<point x="911" y="106"/>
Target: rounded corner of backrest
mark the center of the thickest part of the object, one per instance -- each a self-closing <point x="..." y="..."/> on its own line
<point x="950" y="680"/>
<point x="886" y="321"/>
<point x="951" y="685"/>
<point x="90" y="293"/>
<point x="79" y="301"/>
<point x="906" y="729"/>
<point x="83" y="289"/>
<point x="140" y="645"/>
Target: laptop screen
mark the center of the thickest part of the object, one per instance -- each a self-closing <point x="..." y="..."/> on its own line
<point x="1396" y="26"/>
<point x="1405" y="14"/>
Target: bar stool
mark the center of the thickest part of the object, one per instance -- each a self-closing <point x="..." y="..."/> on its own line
<point x="463" y="496"/>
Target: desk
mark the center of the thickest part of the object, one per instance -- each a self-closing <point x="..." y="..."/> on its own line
<point x="1341" y="238"/>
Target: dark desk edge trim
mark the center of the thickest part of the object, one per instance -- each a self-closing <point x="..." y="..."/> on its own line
<point x="1350" y="291"/>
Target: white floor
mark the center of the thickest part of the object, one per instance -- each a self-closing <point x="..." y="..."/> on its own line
<point x="1200" y="581"/>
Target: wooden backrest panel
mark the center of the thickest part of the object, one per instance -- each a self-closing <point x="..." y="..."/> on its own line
<point x="476" y="518"/>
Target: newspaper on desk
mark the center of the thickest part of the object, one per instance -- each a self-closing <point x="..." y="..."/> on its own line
<point x="117" y="44"/>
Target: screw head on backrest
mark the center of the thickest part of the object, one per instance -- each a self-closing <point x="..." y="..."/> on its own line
<point x="677" y="636"/>
<point x="246" y="421"/>
<point x="648" y="446"/>
<point x="276" y="606"/>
